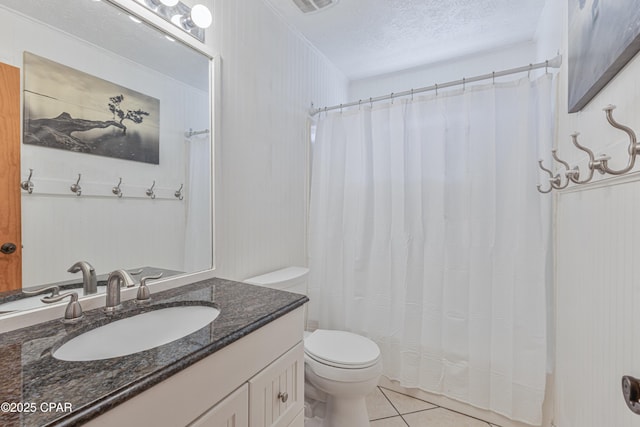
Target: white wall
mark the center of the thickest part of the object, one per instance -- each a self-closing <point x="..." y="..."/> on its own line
<point x="597" y="242"/>
<point x="59" y="228"/>
<point x="270" y="76"/>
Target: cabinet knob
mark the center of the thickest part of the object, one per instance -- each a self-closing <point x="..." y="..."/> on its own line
<point x="283" y="396"/>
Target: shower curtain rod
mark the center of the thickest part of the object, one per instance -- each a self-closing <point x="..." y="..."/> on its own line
<point x="550" y="63"/>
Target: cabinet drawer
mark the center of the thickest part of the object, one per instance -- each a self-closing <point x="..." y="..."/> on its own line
<point x="233" y="411"/>
<point x="276" y="394"/>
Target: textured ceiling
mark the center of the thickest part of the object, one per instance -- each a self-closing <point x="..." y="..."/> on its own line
<point x="370" y="37"/>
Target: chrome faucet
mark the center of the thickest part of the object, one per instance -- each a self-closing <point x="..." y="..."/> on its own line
<point x="89" y="282"/>
<point x="117" y="279"/>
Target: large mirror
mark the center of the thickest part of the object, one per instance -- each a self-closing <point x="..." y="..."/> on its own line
<point x="149" y="205"/>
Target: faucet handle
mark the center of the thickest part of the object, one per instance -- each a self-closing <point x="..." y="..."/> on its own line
<point x="73" y="312"/>
<point x="55" y="291"/>
<point x="144" y="295"/>
<point x="126" y="281"/>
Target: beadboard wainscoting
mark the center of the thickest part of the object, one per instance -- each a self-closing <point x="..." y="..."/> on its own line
<point x="270" y="76"/>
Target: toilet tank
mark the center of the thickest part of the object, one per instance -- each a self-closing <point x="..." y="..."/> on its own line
<point x="291" y="279"/>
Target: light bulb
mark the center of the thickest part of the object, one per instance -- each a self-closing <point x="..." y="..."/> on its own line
<point x="201" y="16"/>
<point x="169" y="2"/>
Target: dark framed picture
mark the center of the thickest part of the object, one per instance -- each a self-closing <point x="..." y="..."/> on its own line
<point x="603" y="36"/>
<point x="67" y="109"/>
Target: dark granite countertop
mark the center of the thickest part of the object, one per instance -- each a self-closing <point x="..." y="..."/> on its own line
<point x="32" y="380"/>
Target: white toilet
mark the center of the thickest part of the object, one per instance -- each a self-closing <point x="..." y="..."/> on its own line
<point x="341" y="368"/>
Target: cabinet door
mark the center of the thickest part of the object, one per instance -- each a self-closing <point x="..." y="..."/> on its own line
<point x="230" y="412"/>
<point x="298" y="421"/>
<point x="276" y="394"/>
<point x="10" y="231"/>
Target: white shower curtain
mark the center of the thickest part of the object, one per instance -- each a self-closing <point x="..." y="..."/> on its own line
<point x="198" y="247"/>
<point x="427" y="234"/>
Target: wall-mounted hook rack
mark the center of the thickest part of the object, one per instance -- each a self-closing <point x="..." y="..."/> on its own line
<point x="75" y="188"/>
<point x="599" y="163"/>
<point x="150" y="192"/>
<point x="28" y="184"/>
<point x="116" y="190"/>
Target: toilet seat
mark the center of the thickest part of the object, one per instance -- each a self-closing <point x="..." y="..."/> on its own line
<point x="341" y="349"/>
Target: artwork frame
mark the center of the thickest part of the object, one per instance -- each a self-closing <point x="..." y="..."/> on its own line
<point x="603" y="38"/>
<point x="68" y="109"/>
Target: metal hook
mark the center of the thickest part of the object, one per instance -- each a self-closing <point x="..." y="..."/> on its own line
<point x="546" y="66"/>
<point x="436" y="89"/>
<point x="76" y="187"/>
<point x="359" y="102"/>
<point x="340" y="108"/>
<point x="493" y="77"/>
<point x="28" y="184"/>
<point x="464" y="84"/>
<point x="568" y="171"/>
<point x="594" y="164"/>
<point x="529" y="72"/>
<point x="116" y="190"/>
<point x="150" y="192"/>
<point x="411" y="94"/>
<point x="554" y="181"/>
<point x="392" y="98"/>
<point x="371" y="102"/>
<point x="178" y="193"/>
<point x="634" y="147"/>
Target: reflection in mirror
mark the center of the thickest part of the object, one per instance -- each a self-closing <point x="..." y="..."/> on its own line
<point x="98" y="47"/>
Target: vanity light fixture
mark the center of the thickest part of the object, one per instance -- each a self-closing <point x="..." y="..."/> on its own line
<point x="192" y="20"/>
<point x="199" y="17"/>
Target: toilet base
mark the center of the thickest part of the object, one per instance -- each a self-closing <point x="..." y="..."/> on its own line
<point x="346" y="411"/>
<point x="336" y="404"/>
<point x="336" y="412"/>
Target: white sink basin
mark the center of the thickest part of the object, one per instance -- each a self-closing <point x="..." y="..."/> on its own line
<point x="137" y="333"/>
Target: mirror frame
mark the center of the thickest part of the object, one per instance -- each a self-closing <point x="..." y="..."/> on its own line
<point x="21" y="319"/>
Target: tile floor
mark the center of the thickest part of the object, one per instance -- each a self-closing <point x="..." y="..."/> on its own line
<point x="388" y="408"/>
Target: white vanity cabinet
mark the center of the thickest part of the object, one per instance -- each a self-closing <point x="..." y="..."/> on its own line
<point x="257" y="381"/>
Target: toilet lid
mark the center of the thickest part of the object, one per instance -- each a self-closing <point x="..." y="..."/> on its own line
<point x="341" y="349"/>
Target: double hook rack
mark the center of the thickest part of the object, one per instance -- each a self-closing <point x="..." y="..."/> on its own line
<point x="76" y="189"/>
<point x="600" y="163"/>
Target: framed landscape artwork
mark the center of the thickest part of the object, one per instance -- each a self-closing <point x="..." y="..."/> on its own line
<point x="67" y="109"/>
<point x="603" y="36"/>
